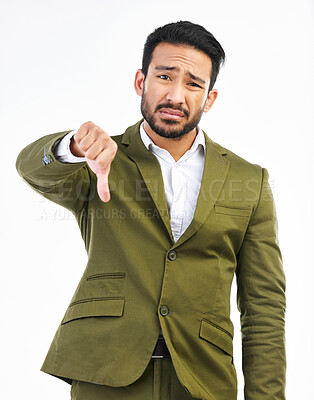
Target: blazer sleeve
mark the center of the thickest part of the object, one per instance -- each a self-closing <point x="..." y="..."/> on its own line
<point x="261" y="302"/>
<point x="66" y="184"/>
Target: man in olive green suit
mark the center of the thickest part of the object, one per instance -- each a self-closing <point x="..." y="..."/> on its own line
<point x="168" y="217"/>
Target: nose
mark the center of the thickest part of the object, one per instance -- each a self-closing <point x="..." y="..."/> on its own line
<point x="175" y="94"/>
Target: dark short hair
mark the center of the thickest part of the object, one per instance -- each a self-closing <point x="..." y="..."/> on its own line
<point x="185" y="33"/>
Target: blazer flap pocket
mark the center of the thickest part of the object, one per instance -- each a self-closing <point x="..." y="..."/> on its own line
<point x="217" y="336"/>
<point x="97" y="307"/>
<point x="241" y="212"/>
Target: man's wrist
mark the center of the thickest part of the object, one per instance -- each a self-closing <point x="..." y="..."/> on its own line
<point x="74" y="149"/>
<point x="62" y="150"/>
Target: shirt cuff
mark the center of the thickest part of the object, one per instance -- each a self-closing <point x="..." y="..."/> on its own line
<point x="62" y="151"/>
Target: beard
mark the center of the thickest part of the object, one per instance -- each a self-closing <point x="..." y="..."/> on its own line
<point x="173" y="129"/>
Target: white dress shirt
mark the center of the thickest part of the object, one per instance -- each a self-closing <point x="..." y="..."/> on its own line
<point x="182" y="178"/>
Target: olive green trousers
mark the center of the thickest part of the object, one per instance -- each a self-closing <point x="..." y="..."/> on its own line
<point x="158" y="382"/>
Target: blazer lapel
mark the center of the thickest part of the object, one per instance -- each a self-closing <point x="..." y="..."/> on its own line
<point x="149" y="168"/>
<point x="215" y="172"/>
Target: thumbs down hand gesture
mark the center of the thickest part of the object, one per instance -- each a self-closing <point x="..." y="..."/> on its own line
<point x="99" y="149"/>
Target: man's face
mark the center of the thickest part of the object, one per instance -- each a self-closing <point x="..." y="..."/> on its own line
<point x="175" y="90"/>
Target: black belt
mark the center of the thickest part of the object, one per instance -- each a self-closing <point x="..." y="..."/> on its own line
<point x="161" y="349"/>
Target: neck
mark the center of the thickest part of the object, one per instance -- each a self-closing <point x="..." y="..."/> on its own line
<point x="176" y="147"/>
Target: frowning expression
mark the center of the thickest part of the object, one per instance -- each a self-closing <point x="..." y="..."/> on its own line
<point x="175" y="90"/>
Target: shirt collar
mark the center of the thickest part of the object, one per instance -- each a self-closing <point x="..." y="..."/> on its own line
<point x="198" y="141"/>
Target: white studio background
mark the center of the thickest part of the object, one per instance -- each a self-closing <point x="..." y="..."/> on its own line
<point x="64" y="62"/>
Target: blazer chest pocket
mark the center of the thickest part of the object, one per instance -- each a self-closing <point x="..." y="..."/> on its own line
<point x="237" y="212"/>
<point x="95" y="307"/>
<point x="217" y="336"/>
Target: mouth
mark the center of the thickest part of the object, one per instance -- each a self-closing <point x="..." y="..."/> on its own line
<point x="170" y="113"/>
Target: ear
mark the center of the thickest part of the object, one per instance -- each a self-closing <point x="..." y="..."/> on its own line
<point x="212" y="96"/>
<point x="139" y="82"/>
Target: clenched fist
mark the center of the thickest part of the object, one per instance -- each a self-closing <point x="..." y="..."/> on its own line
<point x="99" y="149"/>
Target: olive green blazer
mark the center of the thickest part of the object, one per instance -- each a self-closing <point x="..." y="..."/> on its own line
<point x="138" y="280"/>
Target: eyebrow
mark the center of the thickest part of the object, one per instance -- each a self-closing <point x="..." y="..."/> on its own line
<point x="166" y="68"/>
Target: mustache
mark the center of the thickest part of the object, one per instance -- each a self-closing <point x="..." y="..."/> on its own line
<point x="173" y="107"/>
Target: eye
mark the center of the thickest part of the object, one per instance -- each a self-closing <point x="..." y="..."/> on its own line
<point x="164" y="77"/>
<point x="193" y="84"/>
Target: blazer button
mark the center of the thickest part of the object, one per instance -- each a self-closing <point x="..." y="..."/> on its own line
<point x="172" y="255"/>
<point x="164" y="310"/>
